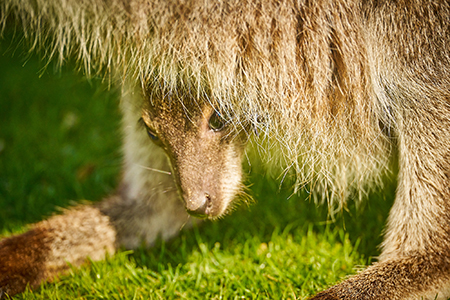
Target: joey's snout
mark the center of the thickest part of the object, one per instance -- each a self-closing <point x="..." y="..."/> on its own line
<point x="208" y="173"/>
<point x="203" y="186"/>
<point x="207" y="168"/>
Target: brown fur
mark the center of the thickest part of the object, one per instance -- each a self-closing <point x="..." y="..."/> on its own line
<point x="330" y="86"/>
<point x="23" y="265"/>
<point x="44" y="251"/>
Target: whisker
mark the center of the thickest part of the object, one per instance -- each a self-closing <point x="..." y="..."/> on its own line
<point x="156" y="170"/>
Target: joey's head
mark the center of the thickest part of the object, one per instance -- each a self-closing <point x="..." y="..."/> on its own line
<point x="205" y="152"/>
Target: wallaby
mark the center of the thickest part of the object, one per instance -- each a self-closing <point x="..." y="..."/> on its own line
<point x="331" y="85"/>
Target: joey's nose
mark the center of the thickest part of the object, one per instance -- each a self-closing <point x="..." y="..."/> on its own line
<point x="203" y="209"/>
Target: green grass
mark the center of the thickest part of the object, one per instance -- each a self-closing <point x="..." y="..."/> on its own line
<point x="60" y="142"/>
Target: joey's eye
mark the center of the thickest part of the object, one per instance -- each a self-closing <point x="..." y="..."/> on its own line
<point x="151" y="134"/>
<point x="216" y="122"/>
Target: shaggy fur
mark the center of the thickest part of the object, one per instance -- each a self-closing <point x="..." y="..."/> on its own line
<point x="329" y="86"/>
<point x="271" y="63"/>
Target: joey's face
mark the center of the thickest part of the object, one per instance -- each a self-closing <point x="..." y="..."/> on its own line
<point x="205" y="153"/>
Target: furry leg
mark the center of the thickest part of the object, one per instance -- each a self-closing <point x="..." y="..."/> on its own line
<point x="415" y="262"/>
<point x="44" y="251"/>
